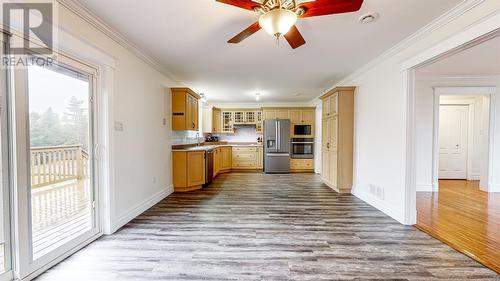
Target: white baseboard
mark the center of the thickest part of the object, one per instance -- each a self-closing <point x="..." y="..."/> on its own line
<point x="474" y="177"/>
<point x="380" y="205"/>
<point x="425" y="188"/>
<point x="494" y="188"/>
<point x="141" y="208"/>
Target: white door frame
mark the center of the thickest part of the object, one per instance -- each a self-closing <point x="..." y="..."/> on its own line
<point x="482" y="31"/>
<point x="461" y="91"/>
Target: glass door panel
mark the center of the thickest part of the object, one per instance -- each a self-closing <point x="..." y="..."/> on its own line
<point x="60" y="138"/>
<point x="4" y="171"/>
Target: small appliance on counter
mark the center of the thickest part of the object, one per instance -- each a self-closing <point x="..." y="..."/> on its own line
<point x="211" y="138"/>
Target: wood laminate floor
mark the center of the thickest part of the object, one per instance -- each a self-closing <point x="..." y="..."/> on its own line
<point x="464" y="217"/>
<point x="249" y="226"/>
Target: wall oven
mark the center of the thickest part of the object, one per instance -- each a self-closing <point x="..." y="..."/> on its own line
<point x="303" y="148"/>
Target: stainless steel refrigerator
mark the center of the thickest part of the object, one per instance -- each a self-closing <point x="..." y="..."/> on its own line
<point x="277" y="146"/>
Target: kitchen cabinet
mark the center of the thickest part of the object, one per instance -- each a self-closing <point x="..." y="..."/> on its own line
<point x="212" y="120"/>
<point x="302" y="165"/>
<point x="188" y="170"/>
<point x="246" y="158"/>
<point x="302" y="116"/>
<point x="227" y="153"/>
<point x="227" y="122"/>
<point x="217" y="120"/>
<point x="269" y="114"/>
<point x="258" y="124"/>
<point x="337" y="139"/>
<point x="217" y="161"/>
<point x="184" y="109"/>
<point x="276" y="113"/>
<point x="222" y="160"/>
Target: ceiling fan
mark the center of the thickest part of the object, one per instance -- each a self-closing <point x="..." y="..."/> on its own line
<point x="278" y="17"/>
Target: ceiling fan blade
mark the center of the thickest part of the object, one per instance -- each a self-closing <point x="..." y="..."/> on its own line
<point x="245" y="33"/>
<point x="294" y="38"/>
<point x="244" y="4"/>
<point x="329" y="7"/>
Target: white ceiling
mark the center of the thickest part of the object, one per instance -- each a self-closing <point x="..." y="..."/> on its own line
<point x="482" y="59"/>
<point x="189" y="38"/>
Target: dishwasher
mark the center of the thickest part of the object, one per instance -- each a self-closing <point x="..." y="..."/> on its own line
<point x="209" y="167"/>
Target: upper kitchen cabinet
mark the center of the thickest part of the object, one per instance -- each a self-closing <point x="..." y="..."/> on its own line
<point x="184" y="109"/>
<point x="276" y="113"/>
<point x="212" y="120"/>
<point x="302" y="115"/>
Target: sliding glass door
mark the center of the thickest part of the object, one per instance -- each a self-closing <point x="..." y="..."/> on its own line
<point x="60" y="132"/>
<point x="5" y="229"/>
<point x="56" y="114"/>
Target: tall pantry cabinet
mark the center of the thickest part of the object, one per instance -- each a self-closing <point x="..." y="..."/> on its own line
<point x="337" y="139"/>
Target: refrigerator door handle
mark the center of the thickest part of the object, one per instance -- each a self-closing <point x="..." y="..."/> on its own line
<point x="279" y="134"/>
<point x="278" y="155"/>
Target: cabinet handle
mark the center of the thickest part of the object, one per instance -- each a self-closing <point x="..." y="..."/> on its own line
<point x="328" y="145"/>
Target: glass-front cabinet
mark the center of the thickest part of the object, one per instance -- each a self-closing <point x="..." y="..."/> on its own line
<point x="227" y="122"/>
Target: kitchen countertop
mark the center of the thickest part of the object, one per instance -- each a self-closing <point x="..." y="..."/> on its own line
<point x="208" y="146"/>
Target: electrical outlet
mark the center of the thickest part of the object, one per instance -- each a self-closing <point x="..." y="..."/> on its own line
<point x="377" y="191"/>
<point x="118" y="126"/>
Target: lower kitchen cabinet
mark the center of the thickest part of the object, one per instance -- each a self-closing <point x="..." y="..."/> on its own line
<point x="222" y="160"/>
<point x="247" y="158"/>
<point x="227" y="153"/>
<point x="189" y="170"/>
<point x="302" y="165"/>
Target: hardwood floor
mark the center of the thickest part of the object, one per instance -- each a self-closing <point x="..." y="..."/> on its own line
<point x="252" y="226"/>
<point x="465" y="218"/>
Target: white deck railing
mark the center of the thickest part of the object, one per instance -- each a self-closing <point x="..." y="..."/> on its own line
<point x="55" y="164"/>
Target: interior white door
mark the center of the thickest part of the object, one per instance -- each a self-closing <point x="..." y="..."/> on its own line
<point x="453" y="131"/>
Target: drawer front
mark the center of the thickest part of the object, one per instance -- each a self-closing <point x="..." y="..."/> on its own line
<point x="302" y="164"/>
<point x="244" y="165"/>
<point x="244" y="156"/>
<point x="244" y="149"/>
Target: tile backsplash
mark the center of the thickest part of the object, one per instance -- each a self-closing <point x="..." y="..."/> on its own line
<point x="184" y="137"/>
<point x="244" y="133"/>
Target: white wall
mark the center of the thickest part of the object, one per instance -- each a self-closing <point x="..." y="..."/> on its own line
<point x="381" y="111"/>
<point x="141" y="152"/>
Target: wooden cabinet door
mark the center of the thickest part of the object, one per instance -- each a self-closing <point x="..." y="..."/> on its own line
<point x="308" y="116"/>
<point x="282" y="114"/>
<point x="260" y="158"/>
<point x="226" y="158"/>
<point x="326" y="107"/>
<point x="296" y="116"/>
<point x="269" y="114"/>
<point x="189" y="112"/>
<point x="333" y="133"/>
<point x="217" y="121"/>
<point x="196" y="168"/>
<point x="333" y="169"/>
<point x="325" y="166"/>
<point x="195" y="112"/>
<point x="325" y="134"/>
<point x="333" y="104"/>
<point x="217" y="161"/>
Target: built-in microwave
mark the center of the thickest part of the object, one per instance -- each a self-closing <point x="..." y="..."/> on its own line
<point x="302" y="130"/>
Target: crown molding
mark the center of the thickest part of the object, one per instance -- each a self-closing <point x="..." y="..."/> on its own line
<point x="88" y="16"/>
<point x="437" y="23"/>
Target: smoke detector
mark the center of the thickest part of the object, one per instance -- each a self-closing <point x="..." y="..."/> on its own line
<point x="368" y="18"/>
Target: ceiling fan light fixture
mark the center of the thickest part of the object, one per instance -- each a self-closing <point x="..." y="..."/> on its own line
<point x="278" y="22"/>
